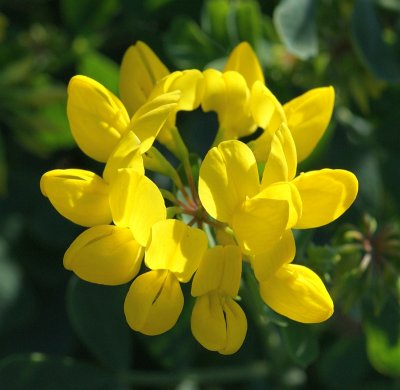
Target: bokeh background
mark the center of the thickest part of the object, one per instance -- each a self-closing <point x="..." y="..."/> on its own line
<point x="57" y="332"/>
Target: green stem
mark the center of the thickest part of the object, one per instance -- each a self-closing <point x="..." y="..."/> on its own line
<point x="155" y="161"/>
<point x="239" y="373"/>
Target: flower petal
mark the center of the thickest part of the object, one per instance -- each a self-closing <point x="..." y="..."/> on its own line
<point x="150" y="118"/>
<point x="137" y="203"/>
<point x="154" y="302"/>
<point x="218" y="323"/>
<point x="78" y="195"/>
<point x="228" y="175"/>
<point x="244" y="60"/>
<point x="267" y="263"/>
<point x="282" y="160"/>
<point x="140" y="71"/>
<point x="285" y="191"/>
<point x="229" y="96"/>
<point x="208" y="322"/>
<point x="176" y="247"/>
<point x="268" y="114"/>
<point x="260" y="223"/>
<point x="297" y="293"/>
<point x="127" y="154"/>
<point x="236" y="327"/>
<point x="190" y="84"/>
<point x="220" y="270"/>
<point x="96" y="116"/>
<point x="326" y="194"/>
<point x="104" y="254"/>
<point x="308" y="117"/>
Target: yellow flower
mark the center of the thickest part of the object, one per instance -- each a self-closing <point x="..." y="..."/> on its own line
<point x="144" y="77"/>
<point x="155" y="300"/>
<point x="228" y="95"/>
<point x="262" y="214"/>
<point x="140" y="71"/>
<point x="307" y="116"/>
<point x="218" y="322"/>
<point x="112" y="254"/>
<point x="297" y="293"/>
<point x="99" y="120"/>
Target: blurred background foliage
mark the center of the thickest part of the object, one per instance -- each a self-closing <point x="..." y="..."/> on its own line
<point x="58" y="332"/>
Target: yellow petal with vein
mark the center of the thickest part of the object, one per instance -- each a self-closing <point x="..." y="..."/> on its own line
<point x="236" y="327"/>
<point x="326" y="194"/>
<point x="150" y="118"/>
<point x="267" y="112"/>
<point x="208" y="322"/>
<point x="308" y="117"/>
<point x="104" y="254"/>
<point x="190" y="84"/>
<point x="137" y="203"/>
<point x="228" y="175"/>
<point x="154" y="302"/>
<point x="220" y="270"/>
<point x="282" y="160"/>
<point x="78" y="195"/>
<point x="97" y="118"/>
<point x="218" y="323"/>
<point x="244" y="60"/>
<point x="260" y="223"/>
<point x="176" y="247"/>
<point x="267" y="263"/>
<point x="297" y="293"/>
<point x="229" y="96"/>
<point x="127" y="154"/>
<point x="285" y="191"/>
<point x="141" y="69"/>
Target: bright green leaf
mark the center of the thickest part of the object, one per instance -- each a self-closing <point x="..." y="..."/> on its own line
<point x="383" y="339"/>
<point x="99" y="67"/>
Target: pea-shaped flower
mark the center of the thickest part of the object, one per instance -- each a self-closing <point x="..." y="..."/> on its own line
<point x="155" y="300"/>
<point x="218" y="322"/>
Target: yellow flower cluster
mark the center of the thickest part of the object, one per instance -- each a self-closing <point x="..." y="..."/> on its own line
<point x="243" y="207"/>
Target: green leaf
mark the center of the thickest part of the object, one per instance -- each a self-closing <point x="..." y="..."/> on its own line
<point x="383" y="60"/>
<point x="188" y="46"/>
<point x="99" y="67"/>
<point x="301" y="342"/>
<point x="248" y="19"/>
<point x="214" y="20"/>
<point x="295" y="23"/>
<point x="38" y="371"/>
<point x="383" y="339"/>
<point x="343" y="364"/>
<point x="88" y="15"/>
<point x="97" y="315"/>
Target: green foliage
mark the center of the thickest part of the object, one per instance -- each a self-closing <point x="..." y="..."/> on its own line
<point x="38" y="371"/>
<point x="295" y="23"/>
<point x="96" y="314"/>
